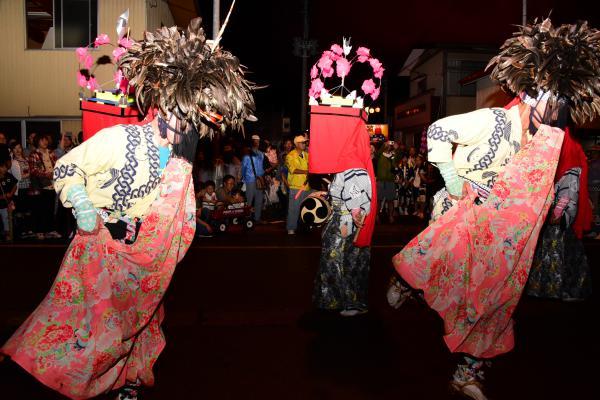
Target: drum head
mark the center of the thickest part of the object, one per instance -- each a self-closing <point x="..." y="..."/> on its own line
<point x="315" y="211"/>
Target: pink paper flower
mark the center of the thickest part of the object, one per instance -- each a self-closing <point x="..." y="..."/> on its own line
<point x="342" y="67"/>
<point x="363" y="51"/>
<point x="81" y="79"/>
<point x="314" y="72"/>
<point x="92" y="84"/>
<point x="331" y="55"/>
<point x="375" y="94"/>
<point x="368" y="86"/>
<point x="324" y="62"/>
<point x="88" y="61"/>
<point x="327" y="72"/>
<point x="101" y="39"/>
<point x="81" y="52"/>
<point x="117" y="77"/>
<point x="379" y="73"/>
<point x="363" y="54"/>
<point x="118" y="52"/>
<point x="337" y="49"/>
<point x="315" y="88"/>
<point x="120" y="81"/>
<point x="375" y="64"/>
<point x="125" y="42"/>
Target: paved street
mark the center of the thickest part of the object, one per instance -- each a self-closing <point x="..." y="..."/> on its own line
<point x="238" y="327"/>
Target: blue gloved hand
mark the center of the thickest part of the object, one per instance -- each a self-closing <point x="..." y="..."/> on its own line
<point x="85" y="212"/>
<point x="454" y="183"/>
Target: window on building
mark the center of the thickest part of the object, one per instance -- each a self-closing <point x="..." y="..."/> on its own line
<point x="58" y="24"/>
<point x="11" y="129"/>
<point x="459" y="69"/>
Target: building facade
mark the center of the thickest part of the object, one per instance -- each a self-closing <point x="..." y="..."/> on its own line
<point x="435" y="88"/>
<point x="38" y="72"/>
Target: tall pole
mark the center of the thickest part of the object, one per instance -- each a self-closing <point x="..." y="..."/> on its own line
<point x="305" y="55"/>
<point x="524" y="14"/>
<point x="216" y="22"/>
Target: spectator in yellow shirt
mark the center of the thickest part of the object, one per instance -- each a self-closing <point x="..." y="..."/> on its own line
<point x="297" y="164"/>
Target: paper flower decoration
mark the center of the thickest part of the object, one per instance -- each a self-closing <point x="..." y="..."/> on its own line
<point x="368" y="86"/>
<point x="101" y="39"/>
<point x="81" y="80"/>
<point x="315" y="88"/>
<point x="118" y="77"/>
<point x="88" y="61"/>
<point x="325" y="62"/>
<point x="314" y="72"/>
<point x="81" y="53"/>
<point x="118" y="52"/>
<point x="125" y="42"/>
<point x="85" y="77"/>
<point x="337" y="49"/>
<point x="363" y="54"/>
<point x="342" y="67"/>
<point x="375" y="93"/>
<point x="339" y="59"/>
<point x="377" y="68"/>
<point x="92" y="84"/>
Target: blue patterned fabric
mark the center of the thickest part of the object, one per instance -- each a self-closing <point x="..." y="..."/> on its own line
<point x="124" y="192"/>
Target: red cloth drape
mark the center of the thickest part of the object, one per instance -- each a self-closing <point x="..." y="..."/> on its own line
<point x="572" y="156"/>
<point x="339" y="141"/>
<point x="97" y="116"/>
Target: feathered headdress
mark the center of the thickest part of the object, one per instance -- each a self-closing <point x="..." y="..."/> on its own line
<point x="180" y="72"/>
<point x="564" y="61"/>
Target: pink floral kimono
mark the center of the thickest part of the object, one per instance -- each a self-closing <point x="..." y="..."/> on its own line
<point x="473" y="262"/>
<point x="99" y="326"/>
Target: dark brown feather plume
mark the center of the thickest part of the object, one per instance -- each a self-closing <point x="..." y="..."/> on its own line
<point x="177" y="72"/>
<point x="564" y="60"/>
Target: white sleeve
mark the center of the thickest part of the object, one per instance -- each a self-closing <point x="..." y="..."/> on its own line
<point x="462" y="129"/>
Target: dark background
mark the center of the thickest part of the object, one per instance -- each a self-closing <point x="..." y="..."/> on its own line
<point x="261" y="34"/>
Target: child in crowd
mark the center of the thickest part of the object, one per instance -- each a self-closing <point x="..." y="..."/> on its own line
<point x="209" y="198"/>
<point x="206" y="202"/>
<point x="238" y="200"/>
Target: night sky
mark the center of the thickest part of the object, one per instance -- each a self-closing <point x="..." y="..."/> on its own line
<point x="261" y="34"/>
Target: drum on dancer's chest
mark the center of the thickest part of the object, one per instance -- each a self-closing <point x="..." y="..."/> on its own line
<point x="315" y="211"/>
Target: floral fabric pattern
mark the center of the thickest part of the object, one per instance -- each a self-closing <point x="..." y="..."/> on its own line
<point x="560" y="269"/>
<point x="342" y="281"/>
<point x="473" y="262"/>
<point x="99" y="326"/>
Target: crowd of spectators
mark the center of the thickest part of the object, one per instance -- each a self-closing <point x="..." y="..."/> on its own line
<point x="274" y="180"/>
<point x="406" y="182"/>
<point x="270" y="178"/>
<point x="28" y="203"/>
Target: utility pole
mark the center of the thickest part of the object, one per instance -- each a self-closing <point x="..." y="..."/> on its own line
<point x="216" y="22"/>
<point x="524" y="13"/>
<point x="304" y="68"/>
<point x="304" y="48"/>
